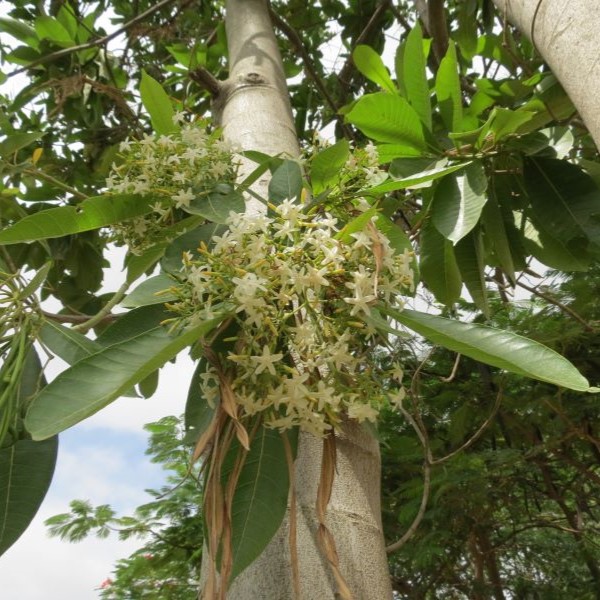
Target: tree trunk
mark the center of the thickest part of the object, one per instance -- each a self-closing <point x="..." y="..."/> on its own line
<point x="565" y="34"/>
<point x="255" y="114"/>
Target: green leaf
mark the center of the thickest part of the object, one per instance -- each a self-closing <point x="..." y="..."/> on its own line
<point x="388" y="152"/>
<point x="138" y="264"/>
<point x="497" y="236"/>
<point x="189" y="242"/>
<point x="501" y="123"/>
<point x="37" y="281"/>
<point x="447" y="89"/>
<point x="155" y="290"/>
<point x="26" y="467"/>
<point x="565" y="200"/>
<point x="325" y="167"/>
<point x="67" y="344"/>
<point x="399" y="67"/>
<point x="16" y="141"/>
<point x="550" y="104"/>
<point x="68" y="20"/>
<point x="26" y="470"/>
<point x="369" y="63"/>
<point x="92" y="213"/>
<point x="438" y="265"/>
<point x="415" y="75"/>
<point x="148" y="385"/>
<point x="440" y="169"/>
<point x="20" y="31"/>
<point x="48" y="28"/>
<point x="388" y="118"/>
<point x="94" y="382"/>
<point x="501" y="349"/>
<point x="553" y="252"/>
<point x="592" y="168"/>
<point x="286" y="182"/>
<point x="466" y="34"/>
<point x="469" y="254"/>
<point x="217" y="204"/>
<point x="458" y="202"/>
<point x="265" y="163"/>
<point x="134" y="323"/>
<point x="158" y="104"/>
<point x="260" y="499"/>
<point x="357" y="224"/>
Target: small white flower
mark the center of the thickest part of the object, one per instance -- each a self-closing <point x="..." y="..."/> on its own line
<point x="362" y="412"/>
<point x="183" y="198"/>
<point x="178" y="117"/>
<point x="397" y="397"/>
<point x="362" y="240"/>
<point x="397" y="372"/>
<point x="360" y="302"/>
<point x="218" y="169"/>
<point x="266" y="361"/>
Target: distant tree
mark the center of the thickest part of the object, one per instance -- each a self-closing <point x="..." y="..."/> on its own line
<point x="167" y="564"/>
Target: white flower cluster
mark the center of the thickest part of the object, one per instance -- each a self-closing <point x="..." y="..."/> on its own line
<point x="304" y="302"/>
<point x="174" y="169"/>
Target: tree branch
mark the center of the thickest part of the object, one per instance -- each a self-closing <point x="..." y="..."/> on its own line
<point x="426" y="485"/>
<point x="309" y="67"/>
<point x="99" y="42"/>
<point x="438" y="27"/>
<point x="104" y="311"/>
<point x="206" y="80"/>
<point x="476" y="435"/>
<point x="38" y="174"/>
<point x="346" y="74"/>
<point x="552" y="300"/>
<point x="74" y="319"/>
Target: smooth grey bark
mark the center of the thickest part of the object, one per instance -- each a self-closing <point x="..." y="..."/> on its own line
<point x="255" y="114"/>
<point x="565" y="32"/>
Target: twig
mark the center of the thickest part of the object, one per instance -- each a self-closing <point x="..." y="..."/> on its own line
<point x="205" y="79"/>
<point x="345" y="75"/>
<point x="552" y="300"/>
<point x="104" y="311"/>
<point x="309" y="67"/>
<point x="8" y="259"/>
<point x="438" y="27"/>
<point x="426" y="485"/>
<point x="428" y="459"/>
<point x="38" y="174"/>
<point x="454" y="370"/>
<point x="75" y="319"/>
<point x="476" y="435"/>
<point x="400" y="17"/>
<point x="533" y="23"/>
<point x="99" y="42"/>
